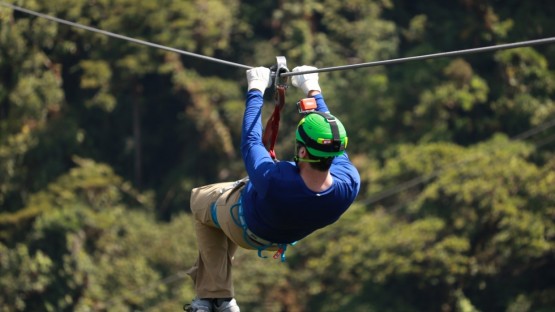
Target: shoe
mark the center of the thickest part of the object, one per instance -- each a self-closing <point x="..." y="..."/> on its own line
<point x="226" y="306"/>
<point x="199" y="305"/>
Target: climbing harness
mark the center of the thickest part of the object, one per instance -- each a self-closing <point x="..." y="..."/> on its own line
<point x="235" y="186"/>
<point x="249" y="236"/>
<point x="269" y="136"/>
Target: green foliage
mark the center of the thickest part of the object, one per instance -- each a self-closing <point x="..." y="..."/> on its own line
<point x="450" y="103"/>
<point x="528" y="87"/>
<point x="89" y="250"/>
<point x="101" y="141"/>
<point x="364" y="251"/>
<point x="474" y="218"/>
<point x="22" y="273"/>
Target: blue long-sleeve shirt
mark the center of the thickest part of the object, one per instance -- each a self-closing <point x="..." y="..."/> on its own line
<point x="277" y="204"/>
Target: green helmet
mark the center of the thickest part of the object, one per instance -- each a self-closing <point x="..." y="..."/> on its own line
<point x="322" y="134"/>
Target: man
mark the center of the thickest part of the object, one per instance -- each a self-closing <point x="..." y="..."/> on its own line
<point x="280" y="202"/>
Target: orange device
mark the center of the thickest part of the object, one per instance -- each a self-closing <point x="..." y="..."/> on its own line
<point x="306" y="105"/>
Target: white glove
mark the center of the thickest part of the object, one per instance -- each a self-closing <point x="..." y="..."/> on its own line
<point x="307" y="82"/>
<point x="258" y="78"/>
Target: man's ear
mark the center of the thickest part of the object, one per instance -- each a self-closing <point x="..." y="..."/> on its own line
<point x="302" y="151"/>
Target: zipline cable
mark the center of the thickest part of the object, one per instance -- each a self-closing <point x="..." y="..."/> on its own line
<point x="107" y="33"/>
<point x="287" y="74"/>
<point x="427" y="56"/>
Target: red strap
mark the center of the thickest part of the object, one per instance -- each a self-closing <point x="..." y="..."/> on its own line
<point x="269" y="137"/>
<point x="278" y="253"/>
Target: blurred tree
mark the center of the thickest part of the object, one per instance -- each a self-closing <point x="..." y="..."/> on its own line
<point x="30" y="97"/>
<point x="100" y="138"/>
<point x="89" y="248"/>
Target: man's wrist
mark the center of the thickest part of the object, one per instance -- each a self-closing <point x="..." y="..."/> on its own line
<point x="313" y="92"/>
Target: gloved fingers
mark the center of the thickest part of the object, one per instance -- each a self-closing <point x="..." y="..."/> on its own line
<point x="298" y="80"/>
<point x="304" y="68"/>
<point x="258" y="73"/>
<point x="306" y="82"/>
<point x="258" y="78"/>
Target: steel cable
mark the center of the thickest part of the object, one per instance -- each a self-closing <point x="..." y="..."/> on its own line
<point x="287" y="74"/>
<point x="118" y="36"/>
<point x="427" y="56"/>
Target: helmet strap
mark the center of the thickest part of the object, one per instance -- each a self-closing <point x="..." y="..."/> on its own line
<point x="299" y="159"/>
<point x="307" y="160"/>
<point x="334" y="129"/>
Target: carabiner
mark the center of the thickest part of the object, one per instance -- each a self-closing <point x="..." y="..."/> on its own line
<point x="277" y="70"/>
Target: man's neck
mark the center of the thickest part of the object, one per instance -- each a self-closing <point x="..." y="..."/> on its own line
<point x="315" y="180"/>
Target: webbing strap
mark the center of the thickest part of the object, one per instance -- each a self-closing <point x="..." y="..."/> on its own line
<point x="269" y="137"/>
<point x="214" y="214"/>
<point x="243" y="224"/>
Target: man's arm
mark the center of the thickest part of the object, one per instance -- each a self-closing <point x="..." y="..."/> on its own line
<point x="258" y="162"/>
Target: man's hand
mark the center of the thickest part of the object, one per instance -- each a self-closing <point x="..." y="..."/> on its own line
<point x="258" y="78"/>
<point x="306" y="82"/>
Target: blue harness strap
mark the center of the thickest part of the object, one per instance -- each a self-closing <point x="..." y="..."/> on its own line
<point x="243" y="224"/>
<point x="214" y="214"/>
<point x="248" y="236"/>
<point x="213" y="208"/>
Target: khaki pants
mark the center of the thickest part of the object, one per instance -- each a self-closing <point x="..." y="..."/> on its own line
<point x="211" y="273"/>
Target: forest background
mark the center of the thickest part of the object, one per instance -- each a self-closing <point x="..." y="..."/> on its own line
<point x="101" y="141"/>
